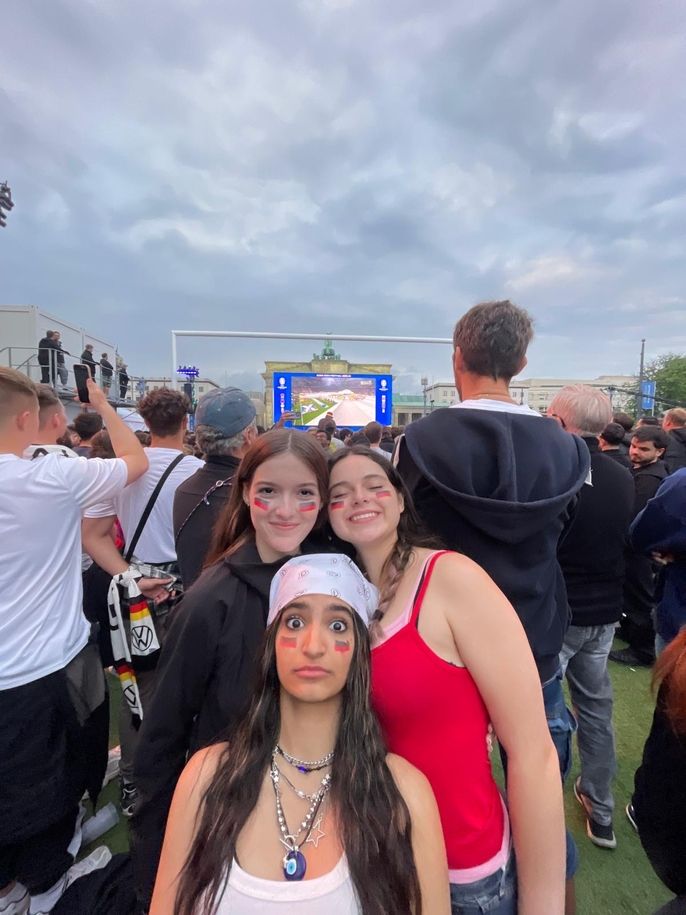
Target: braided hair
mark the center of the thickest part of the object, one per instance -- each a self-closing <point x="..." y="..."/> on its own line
<point x="411" y="533"/>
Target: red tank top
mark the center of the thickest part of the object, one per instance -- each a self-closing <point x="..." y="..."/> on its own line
<point x="432" y="714"/>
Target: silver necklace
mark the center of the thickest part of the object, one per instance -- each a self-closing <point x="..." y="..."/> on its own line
<point x="294" y="863"/>
<point x="304" y="765"/>
<point x="303" y="795"/>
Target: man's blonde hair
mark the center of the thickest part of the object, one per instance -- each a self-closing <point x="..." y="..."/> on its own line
<point x="17" y="392"/>
<point x="676" y="416"/>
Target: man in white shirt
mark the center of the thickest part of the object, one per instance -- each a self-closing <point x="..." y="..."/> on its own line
<point x="51" y="680"/>
<point x="165" y="413"/>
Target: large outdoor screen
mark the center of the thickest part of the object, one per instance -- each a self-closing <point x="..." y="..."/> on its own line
<point x="353" y="400"/>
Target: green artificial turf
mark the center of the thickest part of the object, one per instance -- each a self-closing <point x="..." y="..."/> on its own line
<point x="619" y="882"/>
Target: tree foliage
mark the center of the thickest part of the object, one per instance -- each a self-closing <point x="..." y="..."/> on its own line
<point x="669" y="374"/>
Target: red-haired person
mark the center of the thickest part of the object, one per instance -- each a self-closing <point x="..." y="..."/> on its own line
<point x="658" y="808"/>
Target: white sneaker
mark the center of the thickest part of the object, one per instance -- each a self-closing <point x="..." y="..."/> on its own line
<point x="16" y="902"/>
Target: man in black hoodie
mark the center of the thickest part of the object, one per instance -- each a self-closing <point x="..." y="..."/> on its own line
<point x="496" y="481"/>
<point x="648" y="445"/>
<point x="674" y="424"/>
<point x="592" y="560"/>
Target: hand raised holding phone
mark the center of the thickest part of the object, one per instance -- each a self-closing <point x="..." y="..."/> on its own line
<point x="88" y="391"/>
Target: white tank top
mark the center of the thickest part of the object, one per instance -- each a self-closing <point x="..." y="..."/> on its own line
<point x="331" y="894"/>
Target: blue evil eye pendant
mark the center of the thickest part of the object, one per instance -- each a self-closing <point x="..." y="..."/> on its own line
<point x="294" y="865"/>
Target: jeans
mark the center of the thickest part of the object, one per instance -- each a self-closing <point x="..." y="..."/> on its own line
<point x="495" y="894"/>
<point x="63" y="374"/>
<point x="584" y="659"/>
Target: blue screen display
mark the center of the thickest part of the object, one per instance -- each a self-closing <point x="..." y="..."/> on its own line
<point x="353" y="400"/>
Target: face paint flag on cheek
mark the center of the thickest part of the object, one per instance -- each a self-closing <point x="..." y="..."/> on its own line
<point x="342" y="645"/>
<point x="308" y="506"/>
<point x="334" y="506"/>
<point x="384" y="494"/>
<point x="287" y="641"/>
<point x="260" y="503"/>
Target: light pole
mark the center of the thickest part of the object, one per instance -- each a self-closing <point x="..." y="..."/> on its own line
<point x="424" y="381"/>
<point x="639" y="396"/>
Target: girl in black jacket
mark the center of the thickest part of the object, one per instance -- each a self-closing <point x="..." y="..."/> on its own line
<point x="205" y="672"/>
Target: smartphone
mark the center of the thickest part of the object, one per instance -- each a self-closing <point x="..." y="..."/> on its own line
<point x="82" y="374"/>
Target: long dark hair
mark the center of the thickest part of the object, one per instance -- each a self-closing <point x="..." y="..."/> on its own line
<point x="411" y="533"/>
<point x="234" y="527"/>
<point x="372" y="814"/>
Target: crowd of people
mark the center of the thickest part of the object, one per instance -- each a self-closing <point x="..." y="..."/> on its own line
<point x="54" y="370"/>
<point x="322" y="639"/>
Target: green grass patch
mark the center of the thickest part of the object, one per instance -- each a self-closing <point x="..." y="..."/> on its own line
<point x="619" y="881"/>
<point x="319" y="408"/>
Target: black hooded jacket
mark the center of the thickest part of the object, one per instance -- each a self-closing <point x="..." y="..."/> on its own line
<point x="675" y="455"/>
<point x="592" y="553"/>
<point x="205" y="677"/>
<point x="499" y="488"/>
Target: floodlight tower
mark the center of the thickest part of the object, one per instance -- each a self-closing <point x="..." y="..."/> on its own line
<point x="6" y="202"/>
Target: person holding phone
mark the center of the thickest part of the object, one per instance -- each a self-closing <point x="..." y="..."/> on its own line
<point x="46" y="657"/>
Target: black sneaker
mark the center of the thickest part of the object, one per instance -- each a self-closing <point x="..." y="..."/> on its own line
<point x="128" y="797"/>
<point x="602" y="836"/>
<point x="628" y="656"/>
<point x="631" y="815"/>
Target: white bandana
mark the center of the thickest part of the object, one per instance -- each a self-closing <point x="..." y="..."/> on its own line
<point x="323" y="573"/>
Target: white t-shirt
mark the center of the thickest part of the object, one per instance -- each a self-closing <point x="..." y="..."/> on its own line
<point x="37" y="451"/>
<point x="42" y="626"/>
<point x="380" y="451"/>
<point x="156" y="543"/>
<point x="495" y="406"/>
<point x="331" y="894"/>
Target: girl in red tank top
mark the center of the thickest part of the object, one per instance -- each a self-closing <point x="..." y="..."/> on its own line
<point x="450" y="656"/>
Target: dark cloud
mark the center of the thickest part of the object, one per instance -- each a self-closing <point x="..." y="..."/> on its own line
<point x="352" y="167"/>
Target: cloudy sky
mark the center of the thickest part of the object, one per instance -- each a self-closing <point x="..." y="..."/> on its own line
<point x="348" y="166"/>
